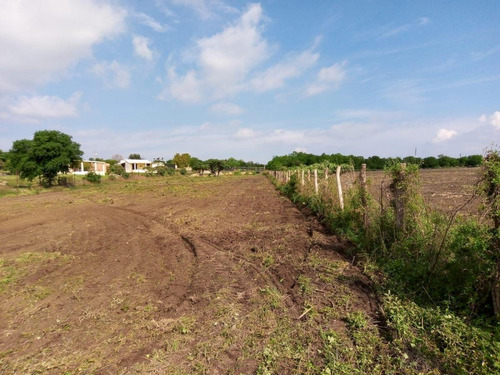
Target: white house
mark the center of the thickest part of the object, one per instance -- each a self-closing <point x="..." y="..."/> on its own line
<point x="86" y="166"/>
<point x="135" y="165"/>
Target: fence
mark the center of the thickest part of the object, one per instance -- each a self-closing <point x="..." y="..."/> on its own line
<point x="328" y="185"/>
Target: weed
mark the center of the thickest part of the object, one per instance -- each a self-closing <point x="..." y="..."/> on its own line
<point x="304" y="283"/>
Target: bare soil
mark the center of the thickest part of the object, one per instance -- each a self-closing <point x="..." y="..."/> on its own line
<point x="446" y="189"/>
<point x="170" y="276"/>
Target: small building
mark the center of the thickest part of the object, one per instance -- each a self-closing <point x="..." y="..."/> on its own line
<point x="135" y="165"/>
<point x="86" y="166"/>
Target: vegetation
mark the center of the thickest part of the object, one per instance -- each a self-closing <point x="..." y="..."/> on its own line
<point x="296" y="159"/>
<point x="182" y="161"/>
<point x="3" y="159"/>
<point x="93" y="177"/>
<point x="135" y="156"/>
<point x="437" y="275"/>
<point x="49" y="152"/>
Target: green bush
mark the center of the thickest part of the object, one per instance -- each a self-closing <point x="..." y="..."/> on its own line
<point x="93" y="177"/>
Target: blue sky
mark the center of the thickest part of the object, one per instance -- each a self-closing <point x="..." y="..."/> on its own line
<point x="219" y="78"/>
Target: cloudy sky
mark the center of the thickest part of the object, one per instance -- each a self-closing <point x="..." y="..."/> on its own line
<point x="220" y="78"/>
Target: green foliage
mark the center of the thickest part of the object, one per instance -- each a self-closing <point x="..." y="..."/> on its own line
<point x="164" y="171"/>
<point x="116" y="169"/>
<point x="183" y="171"/>
<point x="182" y="161"/>
<point x="452" y="344"/>
<point x="49" y="153"/>
<point x="135" y="156"/>
<point x="3" y="159"/>
<point x="198" y="165"/>
<point x="440" y="269"/>
<point x="215" y="165"/>
<point x="93" y="177"/>
<point x="302" y="159"/>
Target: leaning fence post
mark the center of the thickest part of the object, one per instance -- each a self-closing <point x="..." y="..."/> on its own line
<point x="364" y="200"/>
<point x="302" y="178"/>
<point x="316" y="181"/>
<point x="339" y="187"/>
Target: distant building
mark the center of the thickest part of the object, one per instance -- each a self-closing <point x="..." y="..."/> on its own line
<point x="86" y="166"/>
<point x="135" y="165"/>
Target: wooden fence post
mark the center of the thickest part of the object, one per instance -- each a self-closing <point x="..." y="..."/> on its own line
<point x="316" y="181"/>
<point x="398" y="190"/>
<point x="364" y="200"/>
<point x="339" y="187"/>
<point x="302" y="178"/>
<point x="326" y="175"/>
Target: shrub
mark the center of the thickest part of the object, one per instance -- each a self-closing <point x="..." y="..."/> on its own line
<point x="93" y="177"/>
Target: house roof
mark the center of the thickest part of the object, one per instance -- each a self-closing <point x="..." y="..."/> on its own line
<point x="95" y="161"/>
<point x="135" y="161"/>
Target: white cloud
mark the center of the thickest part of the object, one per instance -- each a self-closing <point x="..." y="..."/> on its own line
<point x="225" y="59"/>
<point x="328" y="78"/>
<point x="44" y="38"/>
<point x="187" y="89"/>
<point x="245" y="133"/>
<point x="206" y="8"/>
<point x="113" y="74"/>
<point x="151" y="22"/>
<point x="36" y="108"/>
<point x="495" y="120"/>
<point x="275" y="76"/>
<point x="141" y="47"/>
<point x="422" y="21"/>
<point x="227" y="108"/>
<point x="483" y="118"/>
<point x="444" y="135"/>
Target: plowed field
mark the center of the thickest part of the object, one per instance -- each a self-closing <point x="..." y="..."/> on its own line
<point x="170" y="276"/>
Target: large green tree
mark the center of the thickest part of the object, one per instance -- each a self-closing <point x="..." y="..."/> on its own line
<point x="182" y="161"/>
<point x="47" y="154"/>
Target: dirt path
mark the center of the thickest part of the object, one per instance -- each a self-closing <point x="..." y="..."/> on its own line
<point x="175" y="275"/>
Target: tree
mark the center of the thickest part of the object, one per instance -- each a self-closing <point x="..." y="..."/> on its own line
<point x="198" y="165"/>
<point x="3" y="159"/>
<point x="182" y="161"/>
<point x="135" y="156"/>
<point x="215" y="165"/>
<point x="49" y="153"/>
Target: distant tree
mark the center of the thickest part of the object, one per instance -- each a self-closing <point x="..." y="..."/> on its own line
<point x="117" y="157"/>
<point x="412" y="160"/>
<point x="49" y="153"/>
<point x="135" y="156"/>
<point x="375" y="162"/>
<point x="182" y="161"/>
<point x="430" y="162"/>
<point x="111" y="161"/>
<point x="3" y="159"/>
<point x="474" y="161"/>
<point x="215" y="165"/>
<point x="198" y="165"/>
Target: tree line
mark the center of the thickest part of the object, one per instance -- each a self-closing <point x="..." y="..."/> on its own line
<point x="296" y="159"/>
<point x="51" y="152"/>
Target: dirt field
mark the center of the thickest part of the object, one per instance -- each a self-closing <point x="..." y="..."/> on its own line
<point x="170" y="276"/>
<point x="444" y="189"/>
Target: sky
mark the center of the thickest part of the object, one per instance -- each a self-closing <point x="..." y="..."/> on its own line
<point x="250" y="80"/>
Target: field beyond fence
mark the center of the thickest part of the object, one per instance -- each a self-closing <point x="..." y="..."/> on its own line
<point x="429" y="241"/>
